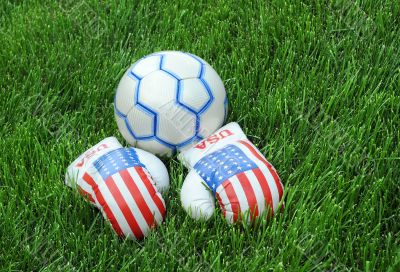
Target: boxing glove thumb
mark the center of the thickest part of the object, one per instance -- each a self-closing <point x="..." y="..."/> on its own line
<point x="156" y="169"/>
<point x="196" y="197"/>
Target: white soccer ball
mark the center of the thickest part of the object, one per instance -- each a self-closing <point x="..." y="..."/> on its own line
<point x="167" y="101"/>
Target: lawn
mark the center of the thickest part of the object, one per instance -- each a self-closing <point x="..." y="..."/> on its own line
<point x="314" y="84"/>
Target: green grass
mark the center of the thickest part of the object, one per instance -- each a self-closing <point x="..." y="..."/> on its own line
<point x="314" y="84"/>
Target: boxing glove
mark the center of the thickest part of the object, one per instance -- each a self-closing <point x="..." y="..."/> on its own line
<point x="124" y="184"/>
<point x="228" y="167"/>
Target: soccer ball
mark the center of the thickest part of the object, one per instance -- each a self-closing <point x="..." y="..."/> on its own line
<point x="167" y="101"/>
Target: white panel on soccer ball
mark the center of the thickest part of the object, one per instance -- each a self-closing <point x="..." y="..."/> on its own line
<point x="176" y="125"/>
<point x="155" y="147"/>
<point x="211" y="120"/>
<point x="194" y="94"/>
<point x="147" y="65"/>
<point x="213" y="117"/>
<point x="140" y="122"/>
<point x="157" y="90"/>
<point x="181" y="65"/>
<point x="214" y="82"/>
<point x="125" y="97"/>
<point x="124" y="130"/>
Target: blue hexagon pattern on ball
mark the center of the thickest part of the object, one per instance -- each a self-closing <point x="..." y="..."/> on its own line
<point x="169" y="100"/>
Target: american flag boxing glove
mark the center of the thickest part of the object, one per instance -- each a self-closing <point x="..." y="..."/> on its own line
<point x="124" y="184"/>
<point x="230" y="168"/>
